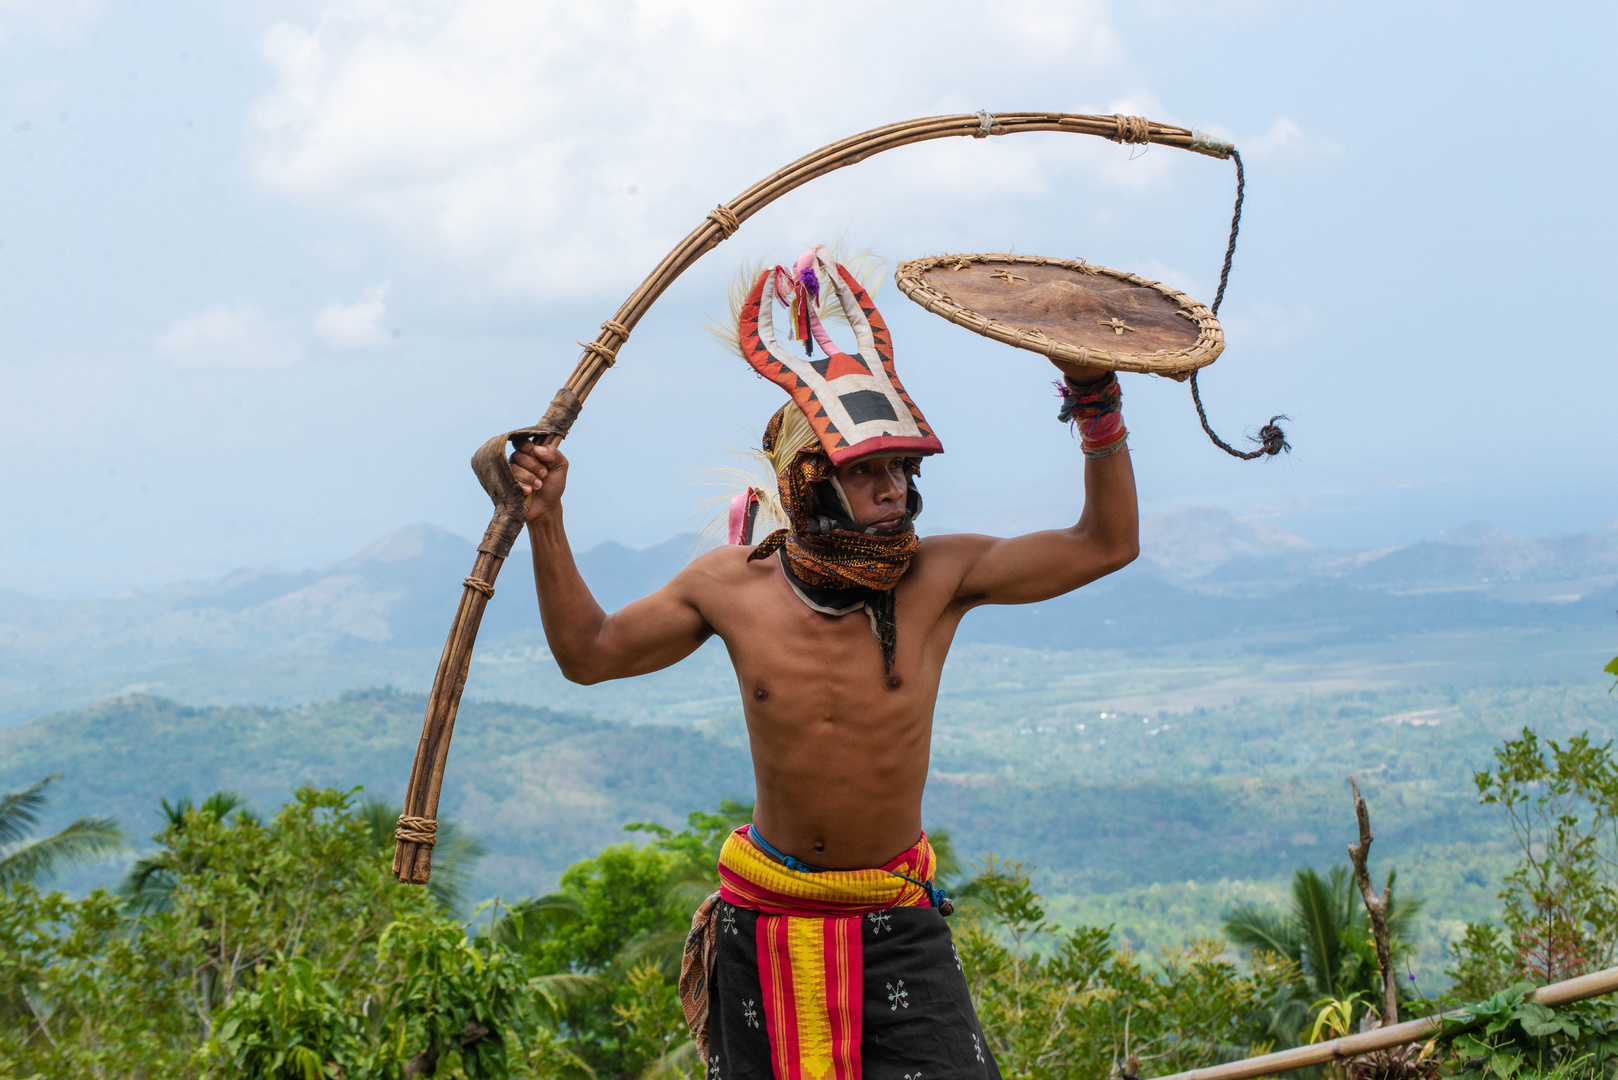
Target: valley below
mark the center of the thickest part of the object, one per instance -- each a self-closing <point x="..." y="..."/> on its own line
<point x="1162" y="746"/>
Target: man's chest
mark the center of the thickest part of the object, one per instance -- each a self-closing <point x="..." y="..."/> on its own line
<point x="781" y="645"/>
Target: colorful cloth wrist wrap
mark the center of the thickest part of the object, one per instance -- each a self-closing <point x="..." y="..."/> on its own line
<point x="1096" y="409"/>
<point x="817" y="939"/>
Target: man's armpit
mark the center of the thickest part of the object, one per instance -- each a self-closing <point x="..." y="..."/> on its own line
<point x="960" y="553"/>
<point x="969" y="600"/>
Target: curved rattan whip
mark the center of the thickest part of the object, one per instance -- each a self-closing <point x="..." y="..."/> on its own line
<point x="412" y="858"/>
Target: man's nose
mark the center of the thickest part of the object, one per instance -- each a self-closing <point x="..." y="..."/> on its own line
<point x="892" y="489"/>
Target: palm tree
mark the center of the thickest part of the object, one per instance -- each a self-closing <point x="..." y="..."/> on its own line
<point x="455" y="853"/>
<point x="1325" y="933"/>
<point x="149" y="885"/>
<point x="22" y="860"/>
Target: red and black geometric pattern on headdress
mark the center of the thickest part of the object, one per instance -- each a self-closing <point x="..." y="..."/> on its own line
<point x="854" y="401"/>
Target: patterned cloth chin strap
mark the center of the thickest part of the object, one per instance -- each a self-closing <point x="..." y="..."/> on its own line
<point x="940" y="899"/>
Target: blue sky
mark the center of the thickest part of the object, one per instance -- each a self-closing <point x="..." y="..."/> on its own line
<point x="270" y="272"/>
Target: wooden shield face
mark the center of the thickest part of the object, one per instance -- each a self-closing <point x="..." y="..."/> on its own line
<point x="1068" y="310"/>
<point x="855" y="401"/>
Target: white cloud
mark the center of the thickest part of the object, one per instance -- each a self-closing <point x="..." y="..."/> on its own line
<point x="1263" y="323"/>
<point x="1192" y="285"/>
<point x="357" y="325"/>
<point x="236" y="335"/>
<point x="557" y="148"/>
<point x="1283" y="134"/>
<point x="1283" y="140"/>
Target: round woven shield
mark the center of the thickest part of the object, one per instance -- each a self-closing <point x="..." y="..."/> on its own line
<point x="1068" y="309"/>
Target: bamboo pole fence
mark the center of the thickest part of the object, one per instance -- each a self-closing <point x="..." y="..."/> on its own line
<point x="1581" y="988"/>
<point x="414" y="835"/>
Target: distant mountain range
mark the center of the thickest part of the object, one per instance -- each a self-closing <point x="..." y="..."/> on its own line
<point x="1205" y="576"/>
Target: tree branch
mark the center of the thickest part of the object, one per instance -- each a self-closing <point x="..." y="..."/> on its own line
<point x="1376" y="907"/>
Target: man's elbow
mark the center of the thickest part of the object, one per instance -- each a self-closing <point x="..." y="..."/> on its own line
<point x="1122" y="555"/>
<point x="580" y="671"/>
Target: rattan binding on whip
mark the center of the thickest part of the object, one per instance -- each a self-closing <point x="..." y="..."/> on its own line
<point x="1132" y="129"/>
<point x="416" y="830"/>
<point x="608" y="353"/>
<point x="724" y="217"/>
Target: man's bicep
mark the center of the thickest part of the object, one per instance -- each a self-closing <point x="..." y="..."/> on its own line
<point x="1030" y="568"/>
<point x="653" y="632"/>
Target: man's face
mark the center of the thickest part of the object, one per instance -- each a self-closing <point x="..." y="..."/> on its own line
<point x="876" y="488"/>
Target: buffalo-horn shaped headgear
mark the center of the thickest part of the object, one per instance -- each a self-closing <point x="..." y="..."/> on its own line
<point x="854" y="401"/>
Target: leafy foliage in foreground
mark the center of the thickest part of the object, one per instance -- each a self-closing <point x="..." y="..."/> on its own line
<point x="1088" y="1007"/>
<point x="279" y="949"/>
<point x="1326" y="936"/>
<point x="1560" y="799"/>
<point x="1507" y="1035"/>
<point x="283" y="948"/>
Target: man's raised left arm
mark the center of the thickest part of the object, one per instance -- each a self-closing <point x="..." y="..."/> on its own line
<point x="1038" y="566"/>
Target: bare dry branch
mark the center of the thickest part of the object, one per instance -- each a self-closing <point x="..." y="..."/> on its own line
<point x="1376" y="907"/>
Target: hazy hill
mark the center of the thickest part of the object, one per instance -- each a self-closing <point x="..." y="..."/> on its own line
<point x="1187" y="543"/>
<point x="378" y="617"/>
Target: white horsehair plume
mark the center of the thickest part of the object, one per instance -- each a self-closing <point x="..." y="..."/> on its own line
<point x="866" y="267"/>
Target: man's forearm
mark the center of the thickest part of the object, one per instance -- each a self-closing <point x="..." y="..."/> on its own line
<point x="1111" y="517"/>
<point x="569" y="612"/>
<point x="1110" y="520"/>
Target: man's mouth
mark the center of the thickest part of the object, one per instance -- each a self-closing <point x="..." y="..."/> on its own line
<point x="888" y="524"/>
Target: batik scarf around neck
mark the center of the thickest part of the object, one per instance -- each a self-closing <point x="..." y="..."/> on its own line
<point x="835" y="564"/>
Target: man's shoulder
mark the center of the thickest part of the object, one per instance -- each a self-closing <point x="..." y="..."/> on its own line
<point x="728" y="562"/>
<point x="722" y="576"/>
<point x="946" y="546"/>
<point x="942" y="559"/>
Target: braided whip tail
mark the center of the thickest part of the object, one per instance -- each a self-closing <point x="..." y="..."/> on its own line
<point x="1271" y="439"/>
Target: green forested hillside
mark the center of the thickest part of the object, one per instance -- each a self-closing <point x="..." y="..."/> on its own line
<point x="1155" y="822"/>
<point x="542" y="789"/>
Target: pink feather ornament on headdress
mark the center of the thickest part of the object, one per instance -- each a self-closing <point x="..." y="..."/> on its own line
<point x="799" y="290"/>
<point x="739" y="526"/>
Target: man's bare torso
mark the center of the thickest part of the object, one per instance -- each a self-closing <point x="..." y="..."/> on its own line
<point x="840" y="749"/>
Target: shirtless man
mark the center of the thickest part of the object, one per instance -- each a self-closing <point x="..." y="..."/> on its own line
<point x="839" y="724"/>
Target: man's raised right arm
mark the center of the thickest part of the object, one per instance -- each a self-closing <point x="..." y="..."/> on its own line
<point x="589" y="645"/>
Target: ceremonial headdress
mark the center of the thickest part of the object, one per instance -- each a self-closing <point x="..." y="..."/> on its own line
<point x="854" y="401"/>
